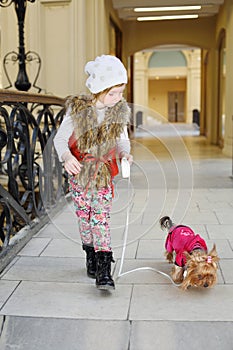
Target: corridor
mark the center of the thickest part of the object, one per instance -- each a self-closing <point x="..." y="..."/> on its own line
<point x="48" y="302"/>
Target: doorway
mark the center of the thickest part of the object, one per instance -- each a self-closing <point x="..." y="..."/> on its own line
<point x="176" y="106"/>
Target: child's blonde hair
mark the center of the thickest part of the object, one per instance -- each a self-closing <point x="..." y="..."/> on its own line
<point x="104" y="92"/>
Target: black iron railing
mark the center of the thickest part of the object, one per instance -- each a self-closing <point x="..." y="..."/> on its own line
<point x="31" y="178"/>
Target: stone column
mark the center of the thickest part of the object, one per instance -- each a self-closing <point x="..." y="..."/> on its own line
<point x="140" y="83"/>
<point x="228" y="139"/>
<point x="193" y="84"/>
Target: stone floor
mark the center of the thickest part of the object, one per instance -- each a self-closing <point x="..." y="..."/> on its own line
<point x="48" y="302"/>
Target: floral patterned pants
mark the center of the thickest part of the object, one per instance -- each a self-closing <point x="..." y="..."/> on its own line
<point x="93" y="208"/>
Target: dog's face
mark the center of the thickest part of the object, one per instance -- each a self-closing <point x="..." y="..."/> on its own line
<point x="201" y="269"/>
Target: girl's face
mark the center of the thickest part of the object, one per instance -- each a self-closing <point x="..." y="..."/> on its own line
<point x="113" y="96"/>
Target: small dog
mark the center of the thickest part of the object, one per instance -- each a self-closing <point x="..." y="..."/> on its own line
<point x="194" y="266"/>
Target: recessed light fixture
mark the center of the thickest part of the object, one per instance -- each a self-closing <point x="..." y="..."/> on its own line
<point x="167" y="8"/>
<point x="162" y="18"/>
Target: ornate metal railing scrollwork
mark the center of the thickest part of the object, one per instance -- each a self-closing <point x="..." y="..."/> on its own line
<point x="32" y="178"/>
<point x="12" y="57"/>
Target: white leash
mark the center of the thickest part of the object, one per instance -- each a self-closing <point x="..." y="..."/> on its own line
<point x="125" y="168"/>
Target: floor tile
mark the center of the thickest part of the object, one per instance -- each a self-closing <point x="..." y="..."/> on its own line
<point x="61" y="219"/>
<point x="225" y="216"/>
<point x="220" y="231"/>
<point x="215" y="206"/>
<point x="69" y="230"/>
<point x="12" y="262"/>
<point x="34" y="247"/>
<point x="226" y="266"/>
<point x="68" y="300"/>
<point x="181" y="335"/>
<point x="51" y="269"/>
<point x="1" y="324"/>
<point x="151" y="249"/>
<point x="142" y="271"/>
<point x="220" y="195"/>
<point x="170" y="303"/>
<point x="6" y="288"/>
<point x="50" y="231"/>
<point x="201" y="217"/>
<point x="136" y="232"/>
<point x="130" y="251"/>
<point x="223" y="248"/>
<point x="64" y="248"/>
<point x="26" y="333"/>
<point x="231" y="243"/>
<point x="120" y="219"/>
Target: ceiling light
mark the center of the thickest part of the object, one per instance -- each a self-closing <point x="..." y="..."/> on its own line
<point x="162" y="18"/>
<point x="168" y="8"/>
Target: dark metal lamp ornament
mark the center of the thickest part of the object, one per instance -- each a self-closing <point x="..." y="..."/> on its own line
<point x="22" y="82"/>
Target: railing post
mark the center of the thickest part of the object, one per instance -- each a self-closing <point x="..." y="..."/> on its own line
<point x="22" y="82"/>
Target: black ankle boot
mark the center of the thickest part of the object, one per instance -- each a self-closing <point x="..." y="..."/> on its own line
<point x="103" y="271"/>
<point x="90" y="261"/>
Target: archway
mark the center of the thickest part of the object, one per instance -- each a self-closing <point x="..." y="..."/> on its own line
<point x="171" y="85"/>
<point x="167" y="80"/>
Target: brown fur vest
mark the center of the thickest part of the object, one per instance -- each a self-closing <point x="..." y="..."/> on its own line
<point x="96" y="139"/>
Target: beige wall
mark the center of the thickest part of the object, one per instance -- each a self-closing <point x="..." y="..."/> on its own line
<point x="8" y="37"/>
<point x="158" y="93"/>
<point x="143" y="35"/>
<point x="226" y="21"/>
<point x="66" y="34"/>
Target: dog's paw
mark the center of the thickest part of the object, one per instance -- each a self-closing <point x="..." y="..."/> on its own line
<point x="169" y="257"/>
<point x="177" y="274"/>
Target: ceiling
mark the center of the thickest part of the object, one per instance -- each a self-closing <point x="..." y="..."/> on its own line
<point x="125" y="8"/>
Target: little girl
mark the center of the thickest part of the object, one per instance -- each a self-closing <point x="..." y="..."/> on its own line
<point x="94" y="129"/>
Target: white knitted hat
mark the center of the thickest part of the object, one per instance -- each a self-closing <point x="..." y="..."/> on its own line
<point x="104" y="72"/>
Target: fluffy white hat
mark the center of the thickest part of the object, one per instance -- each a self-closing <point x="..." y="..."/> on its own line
<point x="104" y="72"/>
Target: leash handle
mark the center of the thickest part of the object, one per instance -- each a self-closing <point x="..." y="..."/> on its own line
<point x="125" y="168"/>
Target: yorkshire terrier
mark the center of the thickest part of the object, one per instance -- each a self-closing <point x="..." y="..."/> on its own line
<point x="193" y="266"/>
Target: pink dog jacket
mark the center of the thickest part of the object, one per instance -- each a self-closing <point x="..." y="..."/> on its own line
<point x="180" y="239"/>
